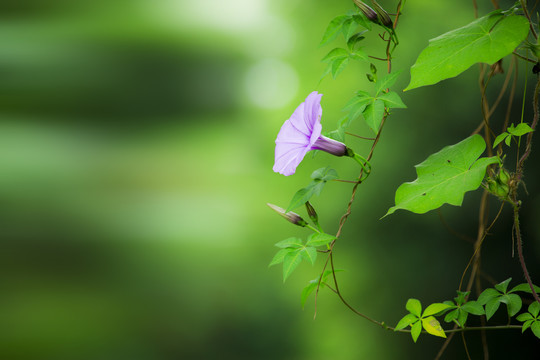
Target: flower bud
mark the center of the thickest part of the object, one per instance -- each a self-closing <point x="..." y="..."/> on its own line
<point x="312" y="213"/>
<point x="502" y="191"/>
<point x="289" y="216"/>
<point x="492" y="186"/>
<point x="367" y="11"/>
<point x="383" y="15"/>
<point x="504" y="177"/>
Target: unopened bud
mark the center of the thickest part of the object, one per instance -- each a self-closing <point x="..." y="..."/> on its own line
<point x="504" y="177"/>
<point x="312" y="213"/>
<point x="370" y="77"/>
<point x="289" y="216"/>
<point x="502" y="191"/>
<point x="367" y="11"/>
<point x="373" y="68"/>
<point x="383" y="15"/>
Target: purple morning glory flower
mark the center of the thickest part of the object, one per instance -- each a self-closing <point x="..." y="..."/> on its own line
<point x="302" y="133"/>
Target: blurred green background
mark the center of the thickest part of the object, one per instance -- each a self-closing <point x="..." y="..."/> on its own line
<point x="136" y="153"/>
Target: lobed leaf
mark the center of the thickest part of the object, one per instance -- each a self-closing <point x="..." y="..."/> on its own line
<point x="338" y="65"/>
<point x="373" y="114"/>
<point x="290" y="243"/>
<point x="309" y="253"/>
<point x="319" y="239"/>
<point x="445" y="177"/>
<point x="333" y="29"/>
<point x="307" y="291"/>
<point x="520" y="130"/>
<point x="392" y="100"/>
<point x="485" y="40"/>
<point x="324" y="174"/>
<point x="280" y="255"/>
<point x="334" y="54"/>
<point x="291" y="260"/>
<point x="387" y="81"/>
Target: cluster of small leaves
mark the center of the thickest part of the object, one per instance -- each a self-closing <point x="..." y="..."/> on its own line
<point x="294" y="250"/>
<point x="338" y="58"/>
<point x="418" y="320"/>
<point x="457" y="311"/>
<point x="518" y="131"/>
<point x="320" y="178"/>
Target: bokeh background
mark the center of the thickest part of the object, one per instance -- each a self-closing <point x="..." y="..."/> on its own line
<point x="136" y="153"/>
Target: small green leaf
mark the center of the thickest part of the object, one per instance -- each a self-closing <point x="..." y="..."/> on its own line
<point x="334" y="54"/>
<point x="524" y="317"/>
<point x="462" y="318"/>
<point x="491" y="307"/>
<point x="333" y="29"/>
<point x="526" y="325"/>
<point x="503" y="285"/>
<point x="301" y="196"/>
<point x="348" y="28"/>
<point x="485" y="40"/>
<point x="309" y="253"/>
<point x="324" y="174"/>
<point x="414" y="307"/>
<point x="386" y="82"/>
<point x="392" y="100"/>
<point x="500" y="138"/>
<point x="338" y="65"/>
<point x="416" y="330"/>
<point x="290" y="262"/>
<point x="508" y="140"/>
<point x="319" y="239"/>
<point x="362" y="21"/>
<point x="359" y="55"/>
<point x="355" y="40"/>
<point x="524" y="288"/>
<point x="513" y="303"/>
<point x="280" y="255"/>
<point x="373" y="114"/>
<point x="290" y="243"/>
<point x="451" y="316"/>
<point x="406" y="321"/>
<point x="460" y="299"/>
<point x="307" y="291"/>
<point x="488" y="295"/>
<point x="445" y="177"/>
<point x="535" y="327"/>
<point x="520" y="130"/>
<point x="473" y="307"/>
<point x="435" y="309"/>
<point x="534" y="308"/>
<point x="433" y="327"/>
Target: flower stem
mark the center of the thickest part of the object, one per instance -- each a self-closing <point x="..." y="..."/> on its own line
<point x="366" y="166"/>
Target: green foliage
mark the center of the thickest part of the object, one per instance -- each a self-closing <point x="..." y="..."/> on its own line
<point x="312" y="285"/>
<point x="531" y="319"/>
<point x="418" y="320"/>
<point x="459" y="309"/>
<point x="485" y="40"/>
<point x="492" y="298"/>
<point x="520" y="130"/>
<point x="320" y="178"/>
<point x="445" y="177"/>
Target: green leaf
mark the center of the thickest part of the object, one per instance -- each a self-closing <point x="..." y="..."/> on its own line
<point x="525" y="288"/>
<point x="500" y="138"/>
<point x="524" y="317"/>
<point x="445" y="177"/>
<point x="508" y="140"/>
<point x="535" y="327"/>
<point x="280" y="255"/>
<point x="290" y="262"/>
<point x="491" y="307"/>
<point x="309" y="253"/>
<point x="355" y="39"/>
<point x="301" y="197"/>
<point x="392" y="100"/>
<point x="460" y="299"/>
<point x="290" y="243"/>
<point x="451" y="316"/>
<point x="488" y="295"/>
<point x="433" y="327"/>
<point x="513" y="303"/>
<point x="386" y="82"/>
<point x="485" y="40"/>
<point x="526" y="325"/>
<point x="473" y="307"/>
<point x="324" y="174"/>
<point x="406" y="321"/>
<point x="502" y="286"/>
<point x="319" y="239"/>
<point x="373" y="114"/>
<point x="333" y="29"/>
<point x="414" y="307"/>
<point x="359" y="55"/>
<point x="416" y="330"/>
<point x="462" y="318"/>
<point x="348" y="28"/>
<point x="362" y="21"/>
<point x="534" y="308"/>
<point x="338" y="65"/>
<point x="334" y="54"/>
<point x="520" y="129"/>
<point x="307" y="291"/>
<point x="435" y="309"/>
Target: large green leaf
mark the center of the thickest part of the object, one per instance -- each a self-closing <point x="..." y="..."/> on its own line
<point x="485" y="40"/>
<point x="445" y="177"/>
